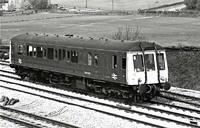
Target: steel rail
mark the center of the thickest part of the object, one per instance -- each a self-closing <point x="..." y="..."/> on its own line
<point x="179" y="100"/>
<point x="153" y="116"/>
<point x="38" y="117"/>
<point x="177" y="107"/>
<point x="23" y="123"/>
<point x="181" y="95"/>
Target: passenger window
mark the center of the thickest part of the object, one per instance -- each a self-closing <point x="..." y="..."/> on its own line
<point x="89" y="59"/>
<point x="60" y="54"/>
<point x="114" y="61"/>
<point x="56" y="54"/>
<point x="149" y="62"/>
<point x="50" y="53"/>
<point x="64" y="54"/>
<point x="74" y="56"/>
<point x="124" y="63"/>
<point x="39" y="52"/>
<point x="138" y="63"/>
<point x="45" y="53"/>
<point x="96" y="60"/>
<point x="29" y="50"/>
<point x="20" y="49"/>
<point x="161" y="61"/>
<point x="68" y="55"/>
<point x="34" y="51"/>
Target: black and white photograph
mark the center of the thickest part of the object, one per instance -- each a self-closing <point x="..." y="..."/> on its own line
<point x="99" y="63"/>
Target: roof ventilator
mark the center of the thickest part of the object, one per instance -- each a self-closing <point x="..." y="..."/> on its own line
<point x="101" y="38"/>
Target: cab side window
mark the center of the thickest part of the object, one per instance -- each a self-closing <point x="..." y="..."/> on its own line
<point x="161" y="61"/>
<point x="20" y="49"/>
<point x="123" y="63"/>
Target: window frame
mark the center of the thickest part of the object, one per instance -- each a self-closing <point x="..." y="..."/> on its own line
<point x="39" y="55"/>
<point x="138" y="69"/>
<point x="20" y="49"/>
<point x="50" y="53"/>
<point x="163" y="59"/>
<point x="123" y="63"/>
<point x="89" y="58"/>
<point x="96" y="60"/>
<point x="114" y="61"/>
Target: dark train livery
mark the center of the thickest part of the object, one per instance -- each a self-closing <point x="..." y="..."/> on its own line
<point x="127" y="69"/>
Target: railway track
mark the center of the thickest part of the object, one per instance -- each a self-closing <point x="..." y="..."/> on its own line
<point x="134" y="109"/>
<point x="192" y="98"/>
<point x="6" y="63"/>
<point x="194" y="101"/>
<point x="31" y="120"/>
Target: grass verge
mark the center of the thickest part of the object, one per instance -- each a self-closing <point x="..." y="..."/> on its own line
<point x="184" y="68"/>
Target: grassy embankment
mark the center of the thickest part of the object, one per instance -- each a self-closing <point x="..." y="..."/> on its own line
<point x="184" y="69"/>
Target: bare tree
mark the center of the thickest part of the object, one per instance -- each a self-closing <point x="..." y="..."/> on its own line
<point x="129" y="33"/>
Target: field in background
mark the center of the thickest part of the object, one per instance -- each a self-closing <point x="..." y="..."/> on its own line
<point x="118" y="4"/>
<point x="166" y="31"/>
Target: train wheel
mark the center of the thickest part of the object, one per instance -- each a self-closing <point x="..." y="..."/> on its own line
<point x="23" y="76"/>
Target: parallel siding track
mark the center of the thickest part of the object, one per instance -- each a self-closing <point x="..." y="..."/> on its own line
<point x="34" y="117"/>
<point x="153" y="116"/>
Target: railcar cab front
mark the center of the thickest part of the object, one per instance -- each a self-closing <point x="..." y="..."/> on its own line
<point x="147" y="69"/>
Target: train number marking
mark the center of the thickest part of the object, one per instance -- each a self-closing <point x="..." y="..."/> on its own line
<point x="114" y="76"/>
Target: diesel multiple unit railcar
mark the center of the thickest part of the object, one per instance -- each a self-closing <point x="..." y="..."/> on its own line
<point x="126" y="69"/>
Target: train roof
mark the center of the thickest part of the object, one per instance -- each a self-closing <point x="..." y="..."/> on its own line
<point x="80" y="42"/>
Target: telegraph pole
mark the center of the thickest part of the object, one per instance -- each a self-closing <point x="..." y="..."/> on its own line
<point x="86" y="4"/>
<point x="112" y="5"/>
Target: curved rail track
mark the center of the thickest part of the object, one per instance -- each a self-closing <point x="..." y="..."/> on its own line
<point x="129" y="110"/>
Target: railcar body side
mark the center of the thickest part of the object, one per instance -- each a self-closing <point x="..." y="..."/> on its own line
<point x="103" y="65"/>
